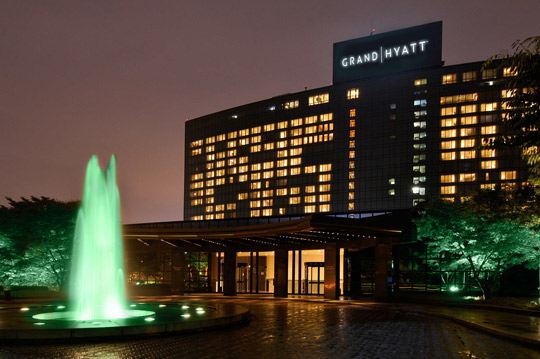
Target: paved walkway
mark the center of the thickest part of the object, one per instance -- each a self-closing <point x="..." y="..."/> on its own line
<point x="521" y="326"/>
<point x="308" y="327"/>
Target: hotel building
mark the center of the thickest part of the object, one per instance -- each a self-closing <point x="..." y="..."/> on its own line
<point x="395" y="128"/>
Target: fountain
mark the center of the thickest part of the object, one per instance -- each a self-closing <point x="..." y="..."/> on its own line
<point x="97" y="273"/>
<point x="97" y="299"/>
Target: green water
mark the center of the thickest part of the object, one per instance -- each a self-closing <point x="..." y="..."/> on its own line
<point x="97" y="272"/>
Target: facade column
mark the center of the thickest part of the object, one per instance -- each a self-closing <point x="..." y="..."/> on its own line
<point x="178" y="273"/>
<point x="229" y="273"/>
<point x="281" y="266"/>
<point x="331" y="272"/>
<point x="382" y="264"/>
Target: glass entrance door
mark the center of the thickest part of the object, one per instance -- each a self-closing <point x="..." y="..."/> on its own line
<point x="314" y="278"/>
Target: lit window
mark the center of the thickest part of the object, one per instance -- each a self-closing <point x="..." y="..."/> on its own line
<point x="210" y="139"/>
<point x="255" y="139"/>
<point x="310" y="199"/>
<point x="467" y="131"/>
<point x="419" y="146"/>
<point x="489" y="130"/>
<point x="351" y="206"/>
<point x="281" y="191"/>
<point x="256" y="176"/>
<point x="310" y="189"/>
<point x="324" y="198"/>
<point x="296" y="161"/>
<point x="351" y="196"/>
<point x="196" y="151"/>
<point x="269" y="127"/>
<point x="467" y="177"/>
<point x="392" y="192"/>
<point x="417" y="180"/>
<point x="231" y="135"/>
<point x="448" y="122"/>
<point x="196" y="202"/>
<point x="256" y="130"/>
<point x="420" y="124"/>
<point x="448" y="133"/>
<point x="281" y="144"/>
<point x="418" y="158"/>
<point x="467" y="143"/>
<point x="324" y="208"/>
<point x="421" y="103"/>
<point x="420" y="82"/>
<point x="392" y="181"/>
<point x="448" y="145"/>
<point x="318" y="99"/>
<point x="352" y="123"/>
<point x="510" y="71"/>
<point x="297" y="122"/>
<point x="448" y="189"/>
<point x="420" y="169"/>
<point x="448" y="156"/>
<point x="310" y="169"/>
<point x="255" y="213"/>
<point x="254" y="204"/>
<point x="281" y="173"/>
<point x="352" y="133"/>
<point x="448" y="111"/>
<point x="488" y="153"/>
<point x="290" y="105"/>
<point x="468" y="108"/>
<point x="255" y="185"/>
<point x="220" y="137"/>
<point x="488" y="165"/>
<point x="296" y="171"/>
<point x="310" y="209"/>
<point x="325" y="167"/>
<point x="295" y="200"/>
<point x="488" y="107"/>
<point x="469" y="76"/>
<point x="448" y="178"/>
<point x="282" y="163"/>
<point x="351" y="154"/>
<point x="418" y="114"/>
<point x="469" y="120"/>
<point x="269" y="146"/>
<point x="508" y="175"/>
<point x="419" y="190"/>
<point x="295" y="151"/>
<point x="352" y="112"/>
<point x="311" y="119"/>
<point x="325" y="177"/>
<point x="467" y="155"/>
<point x="352" y="94"/>
<point x="324" y="188"/>
<point x="267" y="212"/>
<point x="449" y="79"/>
<point x="242" y="141"/>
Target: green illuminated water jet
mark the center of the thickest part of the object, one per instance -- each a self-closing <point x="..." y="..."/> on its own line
<point x="97" y="272"/>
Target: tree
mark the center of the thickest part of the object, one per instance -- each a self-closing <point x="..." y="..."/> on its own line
<point x="522" y="118"/>
<point x="479" y="235"/>
<point x="36" y="237"/>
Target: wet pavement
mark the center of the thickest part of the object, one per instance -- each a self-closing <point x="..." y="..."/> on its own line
<point x="299" y="329"/>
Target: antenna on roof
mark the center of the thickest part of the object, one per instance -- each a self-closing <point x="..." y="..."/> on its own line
<point x="371" y="29"/>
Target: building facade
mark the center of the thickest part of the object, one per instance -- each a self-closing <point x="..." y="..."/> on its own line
<point x="266" y="182"/>
<point x="398" y="128"/>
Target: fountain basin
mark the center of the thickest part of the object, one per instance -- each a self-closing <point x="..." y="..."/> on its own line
<point x="46" y="322"/>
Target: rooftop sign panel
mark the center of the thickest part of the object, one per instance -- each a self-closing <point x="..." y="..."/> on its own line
<point x="390" y="52"/>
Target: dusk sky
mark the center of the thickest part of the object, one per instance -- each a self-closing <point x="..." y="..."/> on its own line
<point x="84" y="77"/>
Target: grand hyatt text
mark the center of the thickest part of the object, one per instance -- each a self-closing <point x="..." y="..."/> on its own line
<point x="385" y="53"/>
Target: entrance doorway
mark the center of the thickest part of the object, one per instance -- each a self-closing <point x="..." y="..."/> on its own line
<point x="314" y="278"/>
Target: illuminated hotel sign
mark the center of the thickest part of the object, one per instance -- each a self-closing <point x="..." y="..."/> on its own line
<point x="390" y="52"/>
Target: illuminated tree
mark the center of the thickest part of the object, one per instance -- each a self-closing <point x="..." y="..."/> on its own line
<point x="477" y="235"/>
<point x="36" y="237"/>
<point x="521" y="120"/>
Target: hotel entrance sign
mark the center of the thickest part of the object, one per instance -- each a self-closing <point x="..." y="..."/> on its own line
<point x="390" y="52"/>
